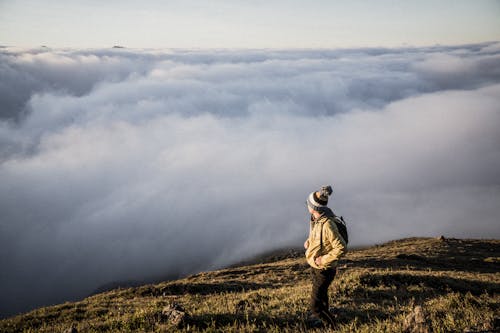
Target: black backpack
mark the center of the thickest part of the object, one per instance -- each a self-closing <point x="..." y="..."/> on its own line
<point x="342" y="228"/>
<point x="339" y="223"/>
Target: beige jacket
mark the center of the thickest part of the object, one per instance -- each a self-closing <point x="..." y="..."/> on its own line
<point x="333" y="244"/>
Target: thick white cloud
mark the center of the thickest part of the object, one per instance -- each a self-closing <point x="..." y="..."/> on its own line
<point x="126" y="165"/>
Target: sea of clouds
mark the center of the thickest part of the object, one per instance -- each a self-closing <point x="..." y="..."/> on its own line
<point x="124" y="164"/>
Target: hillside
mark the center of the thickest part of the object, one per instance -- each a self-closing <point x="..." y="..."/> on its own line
<point x="457" y="283"/>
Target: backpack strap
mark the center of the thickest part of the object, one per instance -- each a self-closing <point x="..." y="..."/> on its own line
<point x="321" y="233"/>
<point x="321" y="238"/>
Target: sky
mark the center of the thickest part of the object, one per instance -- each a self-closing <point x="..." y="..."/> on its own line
<point x="247" y="24"/>
<point x="190" y="150"/>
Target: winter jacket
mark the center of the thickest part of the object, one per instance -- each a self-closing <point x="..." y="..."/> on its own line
<point x="333" y="245"/>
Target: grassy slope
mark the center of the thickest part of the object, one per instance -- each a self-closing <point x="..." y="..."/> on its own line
<point x="456" y="281"/>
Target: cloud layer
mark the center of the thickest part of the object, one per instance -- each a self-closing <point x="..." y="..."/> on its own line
<point x="126" y="164"/>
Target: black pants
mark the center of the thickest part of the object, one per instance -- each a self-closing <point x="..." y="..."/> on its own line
<point x="321" y="280"/>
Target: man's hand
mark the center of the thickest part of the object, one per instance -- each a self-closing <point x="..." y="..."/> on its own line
<point x="306" y="244"/>
<point x="318" y="261"/>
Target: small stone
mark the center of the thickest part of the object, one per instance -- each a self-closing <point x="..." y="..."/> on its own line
<point x="416" y="322"/>
<point x="72" y="329"/>
<point x="419" y="315"/>
<point x="174" y="314"/>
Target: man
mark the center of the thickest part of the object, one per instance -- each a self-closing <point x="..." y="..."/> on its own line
<point x="324" y="247"/>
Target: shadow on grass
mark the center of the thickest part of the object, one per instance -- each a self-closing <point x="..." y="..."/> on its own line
<point x="423" y="263"/>
<point x="260" y="321"/>
<point x="438" y="284"/>
<point x="473" y="256"/>
<point x="200" y="288"/>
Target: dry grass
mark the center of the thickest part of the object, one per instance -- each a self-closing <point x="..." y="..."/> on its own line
<point x="457" y="282"/>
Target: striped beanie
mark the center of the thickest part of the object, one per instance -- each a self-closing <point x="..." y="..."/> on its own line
<point x="319" y="199"/>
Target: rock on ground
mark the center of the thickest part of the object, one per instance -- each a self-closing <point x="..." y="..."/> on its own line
<point x="416" y="322"/>
<point x="174" y="314"/>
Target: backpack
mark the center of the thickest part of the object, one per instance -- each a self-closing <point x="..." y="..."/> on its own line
<point x="339" y="223"/>
<point x="342" y="228"/>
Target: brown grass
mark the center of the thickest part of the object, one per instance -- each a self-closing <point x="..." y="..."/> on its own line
<point x="457" y="282"/>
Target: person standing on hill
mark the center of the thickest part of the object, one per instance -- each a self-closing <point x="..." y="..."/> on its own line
<point x="324" y="247"/>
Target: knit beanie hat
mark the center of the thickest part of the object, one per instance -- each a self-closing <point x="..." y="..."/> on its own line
<point x="319" y="199"/>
